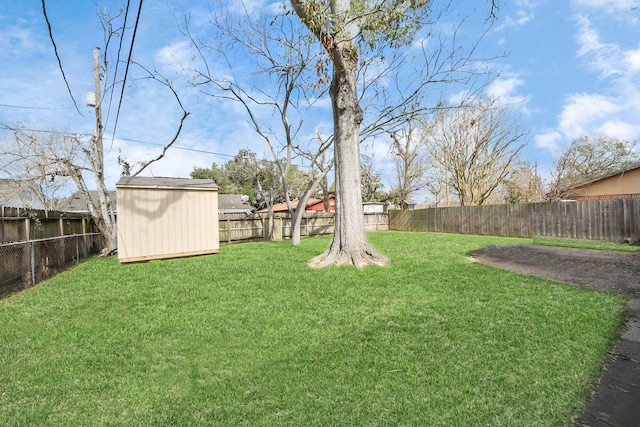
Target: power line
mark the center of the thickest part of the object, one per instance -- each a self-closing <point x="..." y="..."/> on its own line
<point x="126" y="70"/>
<point x="55" y="49"/>
<point x="123" y="139"/>
<point x="179" y="147"/>
<point x="30" y="108"/>
<point x="115" y="74"/>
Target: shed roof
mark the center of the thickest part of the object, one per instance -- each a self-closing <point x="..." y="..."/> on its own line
<point x="166" y="183"/>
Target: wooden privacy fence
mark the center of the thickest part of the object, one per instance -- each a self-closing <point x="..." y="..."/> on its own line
<point x="238" y="229"/>
<point x="605" y="220"/>
<point x="19" y="226"/>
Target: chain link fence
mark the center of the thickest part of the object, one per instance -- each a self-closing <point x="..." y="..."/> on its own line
<point x="23" y="264"/>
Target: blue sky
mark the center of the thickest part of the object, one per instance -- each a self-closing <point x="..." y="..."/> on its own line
<point x="572" y="68"/>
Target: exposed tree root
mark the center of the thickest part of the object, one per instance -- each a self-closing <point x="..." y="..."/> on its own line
<point x="357" y="258"/>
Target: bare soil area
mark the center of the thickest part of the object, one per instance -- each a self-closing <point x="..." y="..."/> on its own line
<point x="604" y="270"/>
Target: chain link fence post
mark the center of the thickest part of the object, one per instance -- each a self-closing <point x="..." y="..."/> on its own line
<point x="32" y="257"/>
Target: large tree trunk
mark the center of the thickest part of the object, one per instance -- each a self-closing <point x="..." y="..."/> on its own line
<point x="337" y="32"/>
<point x="349" y="244"/>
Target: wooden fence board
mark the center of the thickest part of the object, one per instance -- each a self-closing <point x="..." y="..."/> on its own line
<point x="605" y="220"/>
<point x="233" y="229"/>
<point x="18" y="229"/>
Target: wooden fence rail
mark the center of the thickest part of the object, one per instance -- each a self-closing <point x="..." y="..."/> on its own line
<point x="239" y="229"/>
<point x="18" y="225"/>
<point x="604" y="220"/>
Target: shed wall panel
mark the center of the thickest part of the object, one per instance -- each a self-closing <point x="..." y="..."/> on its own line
<point x="155" y="223"/>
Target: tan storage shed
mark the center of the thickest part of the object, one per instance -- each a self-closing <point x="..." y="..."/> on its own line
<point x="166" y="218"/>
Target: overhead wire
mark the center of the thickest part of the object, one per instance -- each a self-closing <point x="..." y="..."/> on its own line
<point x="115" y="74"/>
<point x="126" y="70"/>
<point x="55" y="50"/>
<point x="178" y="147"/>
<point x="123" y="139"/>
<point x="31" y="108"/>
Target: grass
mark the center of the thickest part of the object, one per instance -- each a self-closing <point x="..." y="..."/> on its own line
<point x="252" y="337"/>
<point x="587" y="244"/>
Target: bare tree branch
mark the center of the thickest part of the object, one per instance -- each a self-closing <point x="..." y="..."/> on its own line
<point x="476" y="146"/>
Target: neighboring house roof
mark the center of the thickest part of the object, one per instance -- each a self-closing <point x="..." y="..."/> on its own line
<point x="77" y="202"/>
<point x="624" y="183"/>
<point x="233" y="204"/>
<point x="313" y="204"/>
<point x="608" y="175"/>
<point x="373" y="207"/>
<point x="16" y="193"/>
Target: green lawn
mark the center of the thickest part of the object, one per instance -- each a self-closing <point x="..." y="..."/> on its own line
<point x="253" y="337"/>
<point x="586" y="244"/>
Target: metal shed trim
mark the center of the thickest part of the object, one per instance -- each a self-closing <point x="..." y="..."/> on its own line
<point x="167" y="183"/>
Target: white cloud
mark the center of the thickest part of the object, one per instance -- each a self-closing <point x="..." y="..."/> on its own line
<point x="322" y="102"/>
<point x="605" y="58"/>
<point x="583" y="113"/>
<point x="175" y="57"/>
<point x="523" y="14"/>
<point x="609" y="6"/>
<point x="632" y="61"/>
<point x="619" y="130"/>
<point x="253" y="7"/>
<point x="550" y="141"/>
<point x="594" y="114"/>
<point x="19" y="41"/>
<point x="612" y="107"/>
<point x="505" y="89"/>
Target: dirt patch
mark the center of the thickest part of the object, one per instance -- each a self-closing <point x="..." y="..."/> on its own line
<point x="615" y="402"/>
<point x="604" y="270"/>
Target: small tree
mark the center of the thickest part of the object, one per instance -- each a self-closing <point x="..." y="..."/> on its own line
<point x="437" y="182"/>
<point x="283" y="57"/>
<point x="372" y="184"/>
<point x="476" y="146"/>
<point x="32" y="174"/>
<point x="411" y="165"/>
<point x="523" y="185"/>
<point x="217" y="174"/>
<point x="57" y="154"/>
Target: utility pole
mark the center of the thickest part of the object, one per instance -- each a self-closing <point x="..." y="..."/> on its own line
<point x="106" y="221"/>
<point x="96" y="76"/>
